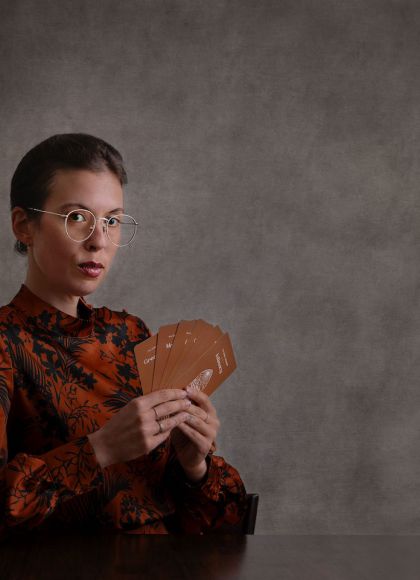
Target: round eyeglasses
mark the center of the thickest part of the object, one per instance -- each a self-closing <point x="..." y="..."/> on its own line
<point x="80" y="225"/>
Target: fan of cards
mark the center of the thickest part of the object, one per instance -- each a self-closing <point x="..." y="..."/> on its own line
<point x="190" y="352"/>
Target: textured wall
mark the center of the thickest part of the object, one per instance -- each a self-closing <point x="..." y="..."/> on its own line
<point x="272" y="152"/>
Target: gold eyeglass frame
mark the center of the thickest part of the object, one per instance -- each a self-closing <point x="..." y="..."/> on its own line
<point x="106" y="220"/>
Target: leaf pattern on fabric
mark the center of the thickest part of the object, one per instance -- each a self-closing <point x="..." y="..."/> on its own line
<point x="4" y="393"/>
<point x="62" y="378"/>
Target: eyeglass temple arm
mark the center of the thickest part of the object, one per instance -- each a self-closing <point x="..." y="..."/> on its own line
<point x="45" y="211"/>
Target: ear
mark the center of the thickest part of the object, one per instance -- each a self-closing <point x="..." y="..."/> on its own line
<point x="22" y="227"/>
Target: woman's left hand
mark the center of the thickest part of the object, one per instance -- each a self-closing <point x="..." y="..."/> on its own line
<point x="193" y="439"/>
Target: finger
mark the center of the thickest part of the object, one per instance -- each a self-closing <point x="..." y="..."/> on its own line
<point x="160" y="438"/>
<point x="200" y="425"/>
<point x="201" y="413"/>
<point x="165" y="409"/>
<point x="166" y="425"/>
<point x="201" y="442"/>
<point x="162" y="396"/>
<point x="201" y="399"/>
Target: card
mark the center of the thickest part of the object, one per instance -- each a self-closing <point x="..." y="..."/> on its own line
<point x="210" y="369"/>
<point x="166" y="335"/>
<point x="183" y="333"/>
<point x="145" y="354"/>
<point x="204" y="336"/>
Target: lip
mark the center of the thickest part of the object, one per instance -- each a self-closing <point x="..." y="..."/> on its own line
<point x="91" y="264"/>
<point x="91" y="269"/>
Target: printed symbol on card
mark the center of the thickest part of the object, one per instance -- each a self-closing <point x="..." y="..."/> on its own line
<point x="201" y="381"/>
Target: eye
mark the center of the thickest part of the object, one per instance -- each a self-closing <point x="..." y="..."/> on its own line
<point x="113" y="222"/>
<point x="77" y="217"/>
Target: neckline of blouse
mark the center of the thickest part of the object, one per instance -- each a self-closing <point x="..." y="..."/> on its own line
<point x="41" y="313"/>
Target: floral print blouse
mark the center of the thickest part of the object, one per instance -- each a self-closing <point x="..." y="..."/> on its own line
<point x="63" y="377"/>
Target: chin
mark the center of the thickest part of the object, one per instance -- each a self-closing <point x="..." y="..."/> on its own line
<point x="90" y="286"/>
<point x="84" y="287"/>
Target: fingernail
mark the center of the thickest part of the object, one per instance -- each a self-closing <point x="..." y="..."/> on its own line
<point x="187" y="402"/>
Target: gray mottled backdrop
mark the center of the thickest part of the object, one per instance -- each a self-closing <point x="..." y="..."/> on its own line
<point x="273" y="156"/>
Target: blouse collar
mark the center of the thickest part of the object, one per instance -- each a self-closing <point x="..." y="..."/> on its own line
<point x="41" y="313"/>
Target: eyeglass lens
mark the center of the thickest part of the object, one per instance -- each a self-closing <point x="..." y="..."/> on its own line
<point x="80" y="223"/>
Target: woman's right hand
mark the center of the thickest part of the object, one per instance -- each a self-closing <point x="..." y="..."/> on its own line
<point x="135" y="429"/>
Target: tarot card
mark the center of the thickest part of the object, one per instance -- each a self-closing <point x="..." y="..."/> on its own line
<point x="183" y="333"/>
<point x="211" y="369"/>
<point x="145" y="354"/>
<point x="203" y="337"/>
<point x="166" y="335"/>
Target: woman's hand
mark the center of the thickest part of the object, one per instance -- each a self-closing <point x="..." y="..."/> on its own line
<point x="193" y="438"/>
<point x="140" y="426"/>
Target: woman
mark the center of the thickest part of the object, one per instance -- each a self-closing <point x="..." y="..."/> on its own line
<point x="79" y="443"/>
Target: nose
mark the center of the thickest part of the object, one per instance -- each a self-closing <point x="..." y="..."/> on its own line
<point x="98" y="238"/>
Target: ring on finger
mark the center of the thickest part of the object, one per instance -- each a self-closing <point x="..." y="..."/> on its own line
<point x="207" y="417"/>
<point x="157" y="416"/>
<point x="160" y="427"/>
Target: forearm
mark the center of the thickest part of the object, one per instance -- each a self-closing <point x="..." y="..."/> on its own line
<point x="196" y="474"/>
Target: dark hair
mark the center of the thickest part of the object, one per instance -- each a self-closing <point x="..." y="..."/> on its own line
<point x="35" y="172"/>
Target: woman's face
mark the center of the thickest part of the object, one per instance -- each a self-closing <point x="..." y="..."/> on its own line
<point x="53" y="258"/>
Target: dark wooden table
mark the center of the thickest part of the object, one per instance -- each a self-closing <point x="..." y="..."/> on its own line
<point x="88" y="555"/>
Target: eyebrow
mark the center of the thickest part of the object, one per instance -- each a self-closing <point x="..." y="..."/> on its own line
<point x="81" y="206"/>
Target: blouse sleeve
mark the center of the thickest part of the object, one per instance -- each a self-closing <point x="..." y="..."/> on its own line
<point x="215" y="503"/>
<point x="31" y="486"/>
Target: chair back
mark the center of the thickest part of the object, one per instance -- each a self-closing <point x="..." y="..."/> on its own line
<point x="248" y="524"/>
